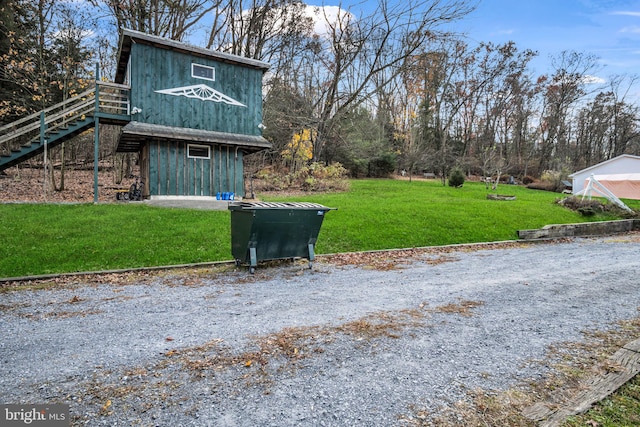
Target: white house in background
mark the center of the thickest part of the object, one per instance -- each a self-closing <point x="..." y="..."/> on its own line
<point x="621" y="175"/>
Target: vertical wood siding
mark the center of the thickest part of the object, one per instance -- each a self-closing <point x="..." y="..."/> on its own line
<point x="172" y="173"/>
<point x="158" y="69"/>
<point x="168" y="169"/>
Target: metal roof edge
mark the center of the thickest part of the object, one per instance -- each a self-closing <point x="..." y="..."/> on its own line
<point x="173" y="44"/>
<point x="194" y="135"/>
<point x="603" y="163"/>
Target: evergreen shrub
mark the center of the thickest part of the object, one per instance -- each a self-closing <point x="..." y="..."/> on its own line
<point x="456" y="177"/>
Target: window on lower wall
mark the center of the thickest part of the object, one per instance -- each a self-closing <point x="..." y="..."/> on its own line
<point x="198" y="151"/>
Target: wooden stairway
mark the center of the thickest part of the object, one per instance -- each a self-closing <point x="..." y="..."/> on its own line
<point x="27" y="137"/>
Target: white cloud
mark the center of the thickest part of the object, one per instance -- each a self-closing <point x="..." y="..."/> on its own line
<point x="633" y="29"/>
<point x="593" y="80"/>
<point x="324" y="16"/>
<point x="627" y="13"/>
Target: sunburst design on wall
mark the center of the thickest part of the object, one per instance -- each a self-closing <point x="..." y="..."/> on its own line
<point x="201" y="92"/>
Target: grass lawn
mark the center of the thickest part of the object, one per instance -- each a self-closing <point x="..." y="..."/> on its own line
<point x="374" y="214"/>
<point x="384" y="214"/>
<point x="44" y="239"/>
<point x="621" y="409"/>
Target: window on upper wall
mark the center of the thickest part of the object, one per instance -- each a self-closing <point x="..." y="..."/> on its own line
<point x="203" y="72"/>
<point x="198" y="151"/>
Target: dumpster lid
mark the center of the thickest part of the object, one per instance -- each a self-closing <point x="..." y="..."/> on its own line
<point x="278" y="205"/>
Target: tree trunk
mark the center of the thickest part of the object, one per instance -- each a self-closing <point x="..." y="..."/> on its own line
<point x="52" y="176"/>
<point x="62" y="167"/>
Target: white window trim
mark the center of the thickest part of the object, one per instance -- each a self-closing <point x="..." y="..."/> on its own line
<point x="199" y="147"/>
<point x="193" y="74"/>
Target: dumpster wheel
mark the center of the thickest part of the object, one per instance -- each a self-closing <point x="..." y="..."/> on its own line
<point x="252" y="268"/>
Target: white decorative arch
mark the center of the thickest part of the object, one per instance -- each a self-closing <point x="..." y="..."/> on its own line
<point x="201" y="92"/>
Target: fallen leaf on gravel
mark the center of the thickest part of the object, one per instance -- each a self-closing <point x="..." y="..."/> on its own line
<point x="105" y="408"/>
<point x="396" y="258"/>
<point x="463" y="307"/>
<point x="441" y="259"/>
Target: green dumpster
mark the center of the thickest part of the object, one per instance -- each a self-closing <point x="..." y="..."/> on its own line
<point x="262" y="231"/>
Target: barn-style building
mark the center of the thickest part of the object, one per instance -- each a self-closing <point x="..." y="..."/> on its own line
<point x="620" y="175"/>
<point x="195" y="113"/>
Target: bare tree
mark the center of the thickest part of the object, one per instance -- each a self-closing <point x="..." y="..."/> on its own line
<point x="625" y="116"/>
<point x="465" y="101"/>
<point x="268" y="30"/>
<point x="346" y="66"/>
<point x="562" y="91"/>
<point x="172" y="19"/>
<point x="525" y="95"/>
<point x="606" y="127"/>
<point x="500" y="112"/>
<point x="70" y="55"/>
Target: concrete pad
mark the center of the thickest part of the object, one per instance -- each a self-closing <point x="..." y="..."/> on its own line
<point x="189" y="202"/>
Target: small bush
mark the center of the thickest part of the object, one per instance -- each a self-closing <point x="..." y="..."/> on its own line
<point x="456" y="178"/>
<point x="592" y="207"/>
<point x="576" y="204"/>
<point x="526" y="180"/>
<point x="546" y="186"/>
<point x="358" y="168"/>
<point x="314" y="177"/>
<point x="382" y="166"/>
<point x="587" y="211"/>
<point x="553" y="179"/>
<point x="550" y="176"/>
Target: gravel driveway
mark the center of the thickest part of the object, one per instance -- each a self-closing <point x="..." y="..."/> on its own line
<point x="339" y="345"/>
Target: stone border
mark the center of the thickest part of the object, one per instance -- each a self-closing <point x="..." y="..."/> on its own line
<point x="597" y="228"/>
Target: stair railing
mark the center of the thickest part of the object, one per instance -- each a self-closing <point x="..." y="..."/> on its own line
<point x="28" y="129"/>
<point x="113" y="100"/>
<point x="29" y="124"/>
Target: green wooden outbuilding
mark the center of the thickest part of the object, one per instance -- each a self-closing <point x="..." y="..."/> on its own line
<point x="195" y="113"/>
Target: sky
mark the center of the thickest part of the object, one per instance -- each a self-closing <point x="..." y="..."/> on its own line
<point x="608" y="29"/>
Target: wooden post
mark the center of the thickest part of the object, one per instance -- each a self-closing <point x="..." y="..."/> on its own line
<point x="43" y="141"/>
<point x="96" y="132"/>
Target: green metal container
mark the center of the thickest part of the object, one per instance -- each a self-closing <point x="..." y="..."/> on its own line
<point x="262" y="231"/>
